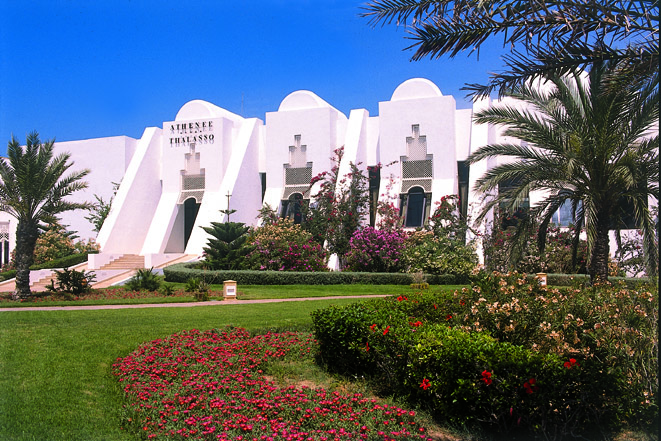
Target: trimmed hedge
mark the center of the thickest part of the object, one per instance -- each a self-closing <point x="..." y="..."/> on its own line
<point x="181" y="272"/>
<point x="63" y="262"/>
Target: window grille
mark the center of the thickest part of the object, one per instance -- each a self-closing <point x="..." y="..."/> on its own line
<point x="192" y="186"/>
<point x="4" y="230"/>
<point x="298" y="176"/>
<point x="193" y="182"/>
<point x="417" y="169"/>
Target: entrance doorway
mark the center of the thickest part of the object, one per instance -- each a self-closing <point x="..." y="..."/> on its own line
<point x="191" y="208"/>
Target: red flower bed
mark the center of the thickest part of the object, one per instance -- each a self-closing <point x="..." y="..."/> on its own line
<point x="210" y="385"/>
<point x="103" y="294"/>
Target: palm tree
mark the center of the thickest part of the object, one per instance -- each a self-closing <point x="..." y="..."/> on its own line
<point x="587" y="140"/>
<point x="33" y="190"/>
<point x="543" y="36"/>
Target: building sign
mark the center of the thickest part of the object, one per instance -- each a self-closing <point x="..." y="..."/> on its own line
<point x="184" y="133"/>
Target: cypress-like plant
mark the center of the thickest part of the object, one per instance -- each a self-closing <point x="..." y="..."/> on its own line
<point x="227" y="248"/>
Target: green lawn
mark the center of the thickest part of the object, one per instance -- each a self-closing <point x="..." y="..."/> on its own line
<point x="56" y="382"/>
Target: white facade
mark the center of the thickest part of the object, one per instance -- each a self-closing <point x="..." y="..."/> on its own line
<point x="176" y="178"/>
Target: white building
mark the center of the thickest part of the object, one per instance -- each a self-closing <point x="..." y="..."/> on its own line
<point x="176" y="178"/>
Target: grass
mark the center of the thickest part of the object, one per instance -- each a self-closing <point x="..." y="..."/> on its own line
<point x="56" y="382"/>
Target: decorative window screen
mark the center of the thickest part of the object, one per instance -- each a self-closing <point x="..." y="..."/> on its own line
<point x="192" y="178"/>
<point x="298" y="172"/>
<point x="417" y="169"/>
<point x="298" y="176"/>
<point x="417" y="166"/>
<point x="4" y="231"/>
<point x="192" y="186"/>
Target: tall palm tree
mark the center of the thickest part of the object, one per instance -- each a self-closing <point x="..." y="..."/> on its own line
<point x="543" y="36"/>
<point x="33" y="190"/>
<point x="587" y="140"/>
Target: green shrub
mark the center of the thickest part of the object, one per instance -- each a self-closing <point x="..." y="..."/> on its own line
<point x="70" y="281"/>
<point x="432" y="254"/>
<point x="166" y="290"/>
<point x="144" y="280"/>
<point x="181" y="272"/>
<point x="591" y="353"/>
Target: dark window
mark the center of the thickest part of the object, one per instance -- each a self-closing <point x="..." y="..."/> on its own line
<point x="262" y="178"/>
<point x="374" y="183"/>
<point x="463" y="174"/>
<point x="563" y="217"/>
<point x="415" y="207"/>
<point x="191" y="208"/>
<point x="511" y="218"/>
<point x="292" y="208"/>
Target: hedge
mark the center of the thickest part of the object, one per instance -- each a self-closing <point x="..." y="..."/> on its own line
<point x="63" y="262"/>
<point x="181" y="272"/>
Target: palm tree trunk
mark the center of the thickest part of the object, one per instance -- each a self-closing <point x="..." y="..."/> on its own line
<point x="600" y="253"/>
<point x="26" y="239"/>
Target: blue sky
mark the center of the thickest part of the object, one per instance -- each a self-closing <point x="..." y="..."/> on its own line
<point x="85" y="69"/>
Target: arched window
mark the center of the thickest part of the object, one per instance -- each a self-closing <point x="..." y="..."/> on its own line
<point x="415" y="207"/>
<point x="292" y="208"/>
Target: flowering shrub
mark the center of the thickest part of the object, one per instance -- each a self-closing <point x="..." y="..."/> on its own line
<point x="375" y="250"/>
<point x="508" y="352"/>
<point x="212" y="386"/>
<point x="284" y="246"/>
<point x="340" y="206"/>
<point x="431" y="254"/>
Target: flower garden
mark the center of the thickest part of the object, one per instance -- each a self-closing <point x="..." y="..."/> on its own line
<point x="211" y="385"/>
<point x="504" y="356"/>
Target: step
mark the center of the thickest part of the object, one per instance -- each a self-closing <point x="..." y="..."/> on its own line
<point x="127" y="261"/>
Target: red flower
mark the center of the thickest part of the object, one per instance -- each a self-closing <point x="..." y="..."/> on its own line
<point x="416" y="324"/>
<point x="435" y="307"/>
<point x="486" y="377"/>
<point x="448" y="317"/>
<point x="401" y="298"/>
<point x="373" y="327"/>
<point x="529" y="386"/>
<point x="385" y="331"/>
<point x="367" y="346"/>
<point x="425" y="384"/>
<point x="571" y="363"/>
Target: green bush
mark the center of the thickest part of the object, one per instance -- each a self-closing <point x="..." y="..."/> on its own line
<point x="507" y="352"/>
<point x="70" y="281"/>
<point x="144" y="280"/>
<point x="435" y="254"/>
<point x="181" y="272"/>
<point x="166" y="290"/>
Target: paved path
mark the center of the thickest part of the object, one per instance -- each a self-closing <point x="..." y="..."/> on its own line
<point x="181" y="305"/>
